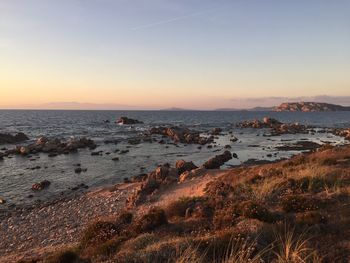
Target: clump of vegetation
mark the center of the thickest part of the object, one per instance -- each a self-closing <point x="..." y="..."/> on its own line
<point x="100" y="231"/>
<point x="187" y="207"/>
<point x="299" y="203"/>
<point x="64" y="256"/>
<point x="156" y="217"/>
<point x="252" y="209"/>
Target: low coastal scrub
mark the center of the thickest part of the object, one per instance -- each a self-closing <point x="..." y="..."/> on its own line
<point x="295" y="210"/>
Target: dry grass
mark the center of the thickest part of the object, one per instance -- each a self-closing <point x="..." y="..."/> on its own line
<point x="292" y="248"/>
<point x="239" y="217"/>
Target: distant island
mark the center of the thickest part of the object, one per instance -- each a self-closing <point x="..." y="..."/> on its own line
<point x="309" y="107"/>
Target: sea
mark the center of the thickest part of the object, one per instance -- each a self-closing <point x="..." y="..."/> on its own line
<point x="17" y="177"/>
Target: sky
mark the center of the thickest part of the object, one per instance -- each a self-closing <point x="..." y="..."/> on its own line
<point x="151" y="54"/>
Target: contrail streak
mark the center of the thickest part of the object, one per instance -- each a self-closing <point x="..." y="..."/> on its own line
<point x="169" y="20"/>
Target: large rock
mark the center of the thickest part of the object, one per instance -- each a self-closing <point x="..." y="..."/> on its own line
<point x="218" y="160"/>
<point x="183" y="166"/>
<point x="128" y="121"/>
<point x="150" y="183"/>
<point x="182" y="135"/>
<point x="8" y="138"/>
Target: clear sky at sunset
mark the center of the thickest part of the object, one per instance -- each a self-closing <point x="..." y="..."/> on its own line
<point x="162" y="53"/>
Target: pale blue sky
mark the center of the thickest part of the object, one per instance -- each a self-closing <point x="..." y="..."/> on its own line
<point x="183" y="53"/>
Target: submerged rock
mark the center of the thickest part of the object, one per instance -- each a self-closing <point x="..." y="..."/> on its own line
<point x="299" y="146"/>
<point x="8" y="138"/>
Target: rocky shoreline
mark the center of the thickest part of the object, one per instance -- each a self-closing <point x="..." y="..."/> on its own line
<point x="32" y="233"/>
<point x="55" y="223"/>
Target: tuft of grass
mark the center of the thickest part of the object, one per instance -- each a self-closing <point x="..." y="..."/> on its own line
<point x="241" y="251"/>
<point x="290" y="247"/>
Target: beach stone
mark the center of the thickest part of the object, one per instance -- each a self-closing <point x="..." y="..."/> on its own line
<point x="2" y="201"/>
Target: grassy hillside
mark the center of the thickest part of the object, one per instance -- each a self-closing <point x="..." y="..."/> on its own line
<point x="296" y="210"/>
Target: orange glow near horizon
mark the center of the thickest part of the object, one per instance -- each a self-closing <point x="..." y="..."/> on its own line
<point x="160" y="55"/>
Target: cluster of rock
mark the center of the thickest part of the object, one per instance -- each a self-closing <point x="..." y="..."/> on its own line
<point x="128" y="121"/>
<point x="267" y="122"/>
<point x="289" y="128"/>
<point x="53" y="146"/>
<point x="342" y="133"/>
<point x="165" y="175"/>
<point x="277" y="127"/>
<point x="182" y="135"/>
<point x="310" y="107"/>
<point x="6" y="138"/>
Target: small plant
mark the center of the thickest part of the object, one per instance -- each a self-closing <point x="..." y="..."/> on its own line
<point x="298" y="203"/>
<point x="155" y="218"/>
<point x="251" y="209"/>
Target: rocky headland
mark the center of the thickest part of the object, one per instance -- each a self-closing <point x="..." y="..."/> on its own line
<point x="310" y="107"/>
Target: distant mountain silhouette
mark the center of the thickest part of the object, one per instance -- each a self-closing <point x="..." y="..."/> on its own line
<point x="251" y="109"/>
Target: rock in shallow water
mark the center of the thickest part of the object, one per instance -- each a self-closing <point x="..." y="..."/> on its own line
<point x="128" y="121"/>
<point x="218" y="160"/>
<point x="40" y="186"/>
<point x="182" y="135"/>
<point x="8" y="138"/>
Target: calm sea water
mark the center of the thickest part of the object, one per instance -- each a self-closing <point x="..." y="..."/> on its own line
<point x="16" y="179"/>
